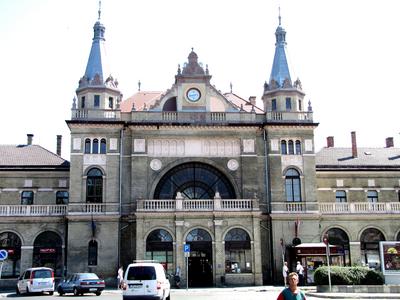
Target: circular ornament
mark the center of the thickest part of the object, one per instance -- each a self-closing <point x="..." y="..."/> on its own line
<point x="233" y="164"/>
<point x="155" y="164"/>
<point x="193" y="95"/>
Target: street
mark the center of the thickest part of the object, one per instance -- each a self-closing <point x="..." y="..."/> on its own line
<point x="247" y="293"/>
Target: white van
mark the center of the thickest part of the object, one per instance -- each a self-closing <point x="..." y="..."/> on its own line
<point x="145" y="280"/>
<point x="36" y="280"/>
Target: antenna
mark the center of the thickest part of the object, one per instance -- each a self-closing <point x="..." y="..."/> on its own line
<point x="99" y="11"/>
<point x="279" y="15"/>
<point x="139" y="84"/>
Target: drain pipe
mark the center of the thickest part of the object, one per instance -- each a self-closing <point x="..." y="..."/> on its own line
<point x="269" y="205"/>
<point x="121" y="137"/>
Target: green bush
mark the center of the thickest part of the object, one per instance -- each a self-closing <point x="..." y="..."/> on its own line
<point x="348" y="276"/>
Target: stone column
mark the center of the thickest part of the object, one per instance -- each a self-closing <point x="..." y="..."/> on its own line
<point x="256" y="250"/>
<point x="179" y="255"/>
<point x="26" y="258"/>
<point x="219" y="253"/>
<point x="140" y="242"/>
<point x="355" y="253"/>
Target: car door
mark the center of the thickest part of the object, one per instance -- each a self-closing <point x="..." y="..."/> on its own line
<point x="24" y="281"/>
<point x="71" y="283"/>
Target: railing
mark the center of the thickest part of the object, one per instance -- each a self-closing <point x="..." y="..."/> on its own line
<point x="198" y="205"/>
<point x="289" y="116"/>
<point x="97" y="114"/>
<point x="93" y="209"/>
<point x="33" y="210"/>
<point x="336" y="208"/>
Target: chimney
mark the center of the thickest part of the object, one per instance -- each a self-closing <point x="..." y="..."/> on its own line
<point x="252" y="100"/>
<point x="59" y="137"/>
<point x="330" y="142"/>
<point x="353" y="144"/>
<point x="30" y="137"/>
<point x="389" y="142"/>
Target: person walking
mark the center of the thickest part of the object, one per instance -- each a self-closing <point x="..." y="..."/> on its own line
<point x="292" y="292"/>
<point x="120" y="277"/>
<point x="300" y="272"/>
<point x="285" y="272"/>
<point x="177" y="277"/>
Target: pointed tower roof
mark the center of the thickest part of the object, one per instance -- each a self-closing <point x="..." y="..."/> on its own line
<point x="280" y="67"/>
<point x="97" y="72"/>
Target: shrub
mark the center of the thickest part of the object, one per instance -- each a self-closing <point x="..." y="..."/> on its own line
<point x="348" y="276"/>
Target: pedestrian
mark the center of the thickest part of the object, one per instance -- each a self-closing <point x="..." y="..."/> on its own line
<point x="285" y="272"/>
<point x="120" y="277"/>
<point x="177" y="277"/>
<point x="300" y="272"/>
<point x="292" y="292"/>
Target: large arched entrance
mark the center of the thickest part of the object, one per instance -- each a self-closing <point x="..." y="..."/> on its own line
<point x="369" y="241"/>
<point x="159" y="247"/>
<point x="47" y="252"/>
<point x="194" y="181"/>
<point x="200" y="262"/>
<point x="10" y="242"/>
<point x="340" y="239"/>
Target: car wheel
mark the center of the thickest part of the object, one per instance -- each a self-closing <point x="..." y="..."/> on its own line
<point x="60" y="291"/>
<point x="51" y="293"/>
<point x="76" y="293"/>
<point x="98" y="293"/>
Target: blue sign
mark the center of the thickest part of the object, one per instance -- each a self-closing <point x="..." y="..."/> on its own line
<point x="186" y="248"/>
<point x="3" y="254"/>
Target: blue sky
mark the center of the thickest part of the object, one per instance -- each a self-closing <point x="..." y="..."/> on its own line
<point x="346" y="53"/>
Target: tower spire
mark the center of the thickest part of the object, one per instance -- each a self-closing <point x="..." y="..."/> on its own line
<point x="99" y="11"/>
<point x="279" y="15"/>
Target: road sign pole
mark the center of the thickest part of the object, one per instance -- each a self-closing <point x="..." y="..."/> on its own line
<point x="1" y="268"/>
<point x="187" y="273"/>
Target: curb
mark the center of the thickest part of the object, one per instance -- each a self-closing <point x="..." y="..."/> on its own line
<point x="353" y="295"/>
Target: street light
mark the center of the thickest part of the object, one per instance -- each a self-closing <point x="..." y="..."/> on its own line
<point x="326" y="242"/>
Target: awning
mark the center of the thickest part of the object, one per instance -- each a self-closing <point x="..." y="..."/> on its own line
<point x="317" y="249"/>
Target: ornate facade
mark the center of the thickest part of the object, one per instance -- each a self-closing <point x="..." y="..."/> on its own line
<point x="241" y="185"/>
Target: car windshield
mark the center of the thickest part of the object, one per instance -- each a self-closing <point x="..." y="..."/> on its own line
<point x="42" y="274"/>
<point x="141" y="273"/>
<point x="88" y="276"/>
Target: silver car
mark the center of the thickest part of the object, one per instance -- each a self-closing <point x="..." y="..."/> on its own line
<point x="36" y="280"/>
<point x="81" y="283"/>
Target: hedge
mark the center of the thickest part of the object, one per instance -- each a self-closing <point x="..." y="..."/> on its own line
<point x="348" y="276"/>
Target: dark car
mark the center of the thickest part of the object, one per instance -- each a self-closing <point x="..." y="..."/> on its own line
<point x="81" y="283"/>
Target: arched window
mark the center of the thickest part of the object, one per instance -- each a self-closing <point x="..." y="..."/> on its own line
<point x="237" y="252"/>
<point x="283" y="147"/>
<point x="94" y="186"/>
<point x="170" y="104"/>
<point x="87" y="146"/>
<point x="95" y="146"/>
<point x="47" y="251"/>
<point x="62" y="197"/>
<point x="292" y="186"/>
<point x="372" y="196"/>
<point x="300" y="106"/>
<point x="92" y="253"/>
<point x="398" y="236"/>
<point x="291" y="147"/>
<point x="341" y="197"/>
<point x="103" y="146"/>
<point x="194" y="181"/>
<point x="197" y="235"/>
<point x="369" y="241"/>
<point x="10" y="242"/>
<point x="159" y="247"/>
<point x="298" y="147"/>
<point x="339" y="238"/>
<point x="27" y="198"/>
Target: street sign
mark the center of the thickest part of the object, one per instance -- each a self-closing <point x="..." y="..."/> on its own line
<point x="186" y="248"/>
<point x="3" y="254"/>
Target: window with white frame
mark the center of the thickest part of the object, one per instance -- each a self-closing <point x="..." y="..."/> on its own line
<point x="93" y="146"/>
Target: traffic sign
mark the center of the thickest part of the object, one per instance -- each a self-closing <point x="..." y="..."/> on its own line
<point x="3" y="254"/>
<point x="186" y="248"/>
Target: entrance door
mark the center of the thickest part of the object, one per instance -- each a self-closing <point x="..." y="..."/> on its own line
<point x="200" y="262"/>
<point x="200" y="266"/>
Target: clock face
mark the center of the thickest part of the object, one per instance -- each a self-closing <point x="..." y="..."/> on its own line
<point x="193" y="94"/>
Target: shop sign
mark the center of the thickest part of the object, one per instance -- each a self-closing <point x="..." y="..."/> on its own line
<point x="47" y="250"/>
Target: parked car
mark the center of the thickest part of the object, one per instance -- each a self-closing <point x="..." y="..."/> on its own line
<point x="145" y="280"/>
<point x="81" y="283"/>
<point x="36" y="280"/>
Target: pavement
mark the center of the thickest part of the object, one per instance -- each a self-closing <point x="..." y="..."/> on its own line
<point x="308" y="290"/>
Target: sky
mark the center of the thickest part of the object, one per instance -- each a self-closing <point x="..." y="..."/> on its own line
<point x="346" y="54"/>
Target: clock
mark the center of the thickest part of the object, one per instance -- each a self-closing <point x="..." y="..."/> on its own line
<point x="193" y="94"/>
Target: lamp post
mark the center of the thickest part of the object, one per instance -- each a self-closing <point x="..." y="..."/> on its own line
<point x="326" y="242"/>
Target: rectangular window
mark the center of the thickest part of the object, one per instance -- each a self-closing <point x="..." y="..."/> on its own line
<point x="341" y="197"/>
<point x="110" y="102"/>
<point x="273" y="105"/>
<point x="372" y="196"/>
<point x="300" y="106"/>
<point x="83" y="102"/>
<point x="96" y="101"/>
<point x="27" y="198"/>
<point x="288" y="104"/>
